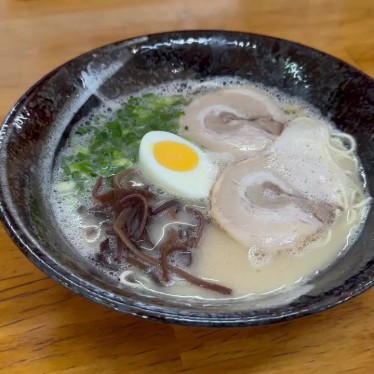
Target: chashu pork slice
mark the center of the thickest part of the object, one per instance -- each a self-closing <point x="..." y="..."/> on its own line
<point x="260" y="210"/>
<point x="242" y="121"/>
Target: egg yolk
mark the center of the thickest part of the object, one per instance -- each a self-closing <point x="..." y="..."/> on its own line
<point x="175" y="156"/>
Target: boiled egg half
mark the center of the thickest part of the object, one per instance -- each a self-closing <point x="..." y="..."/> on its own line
<point x="176" y="165"/>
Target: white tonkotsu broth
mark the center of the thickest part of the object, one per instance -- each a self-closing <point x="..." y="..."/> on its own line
<point x="276" y="241"/>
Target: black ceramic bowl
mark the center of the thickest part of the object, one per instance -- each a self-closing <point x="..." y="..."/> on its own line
<point x="34" y="130"/>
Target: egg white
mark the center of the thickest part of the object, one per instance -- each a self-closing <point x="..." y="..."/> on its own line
<point x="193" y="184"/>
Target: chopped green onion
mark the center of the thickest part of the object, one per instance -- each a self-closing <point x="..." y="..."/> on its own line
<point x="114" y="145"/>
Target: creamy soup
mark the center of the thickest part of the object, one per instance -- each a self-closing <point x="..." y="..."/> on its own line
<point x="215" y="190"/>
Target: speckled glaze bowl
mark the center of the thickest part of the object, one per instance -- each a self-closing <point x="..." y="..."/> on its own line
<point x="37" y="126"/>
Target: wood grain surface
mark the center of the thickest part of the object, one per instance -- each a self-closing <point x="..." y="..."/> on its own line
<point x="44" y="328"/>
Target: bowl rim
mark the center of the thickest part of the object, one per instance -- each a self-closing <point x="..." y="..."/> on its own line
<point x="172" y="314"/>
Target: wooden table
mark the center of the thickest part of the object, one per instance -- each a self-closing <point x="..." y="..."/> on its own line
<point x="44" y="328"/>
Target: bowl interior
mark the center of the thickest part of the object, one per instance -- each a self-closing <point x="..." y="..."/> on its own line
<point x="40" y="123"/>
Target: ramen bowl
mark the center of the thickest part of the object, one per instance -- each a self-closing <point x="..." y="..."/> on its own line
<point x="39" y="124"/>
